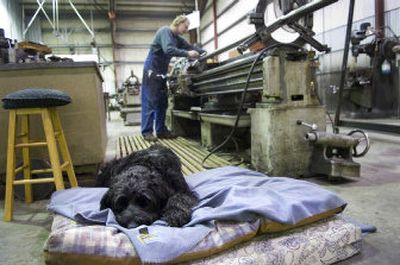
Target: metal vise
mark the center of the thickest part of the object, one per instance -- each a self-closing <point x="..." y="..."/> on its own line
<point x="333" y="152"/>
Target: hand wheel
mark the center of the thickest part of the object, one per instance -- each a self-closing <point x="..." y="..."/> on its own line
<point x="364" y="138"/>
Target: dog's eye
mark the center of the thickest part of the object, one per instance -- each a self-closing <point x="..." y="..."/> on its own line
<point x="142" y="201"/>
<point x="121" y="203"/>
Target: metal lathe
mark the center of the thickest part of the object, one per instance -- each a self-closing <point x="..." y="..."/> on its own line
<point x="265" y="101"/>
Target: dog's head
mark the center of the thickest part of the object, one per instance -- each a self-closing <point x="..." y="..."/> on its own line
<point x="137" y="197"/>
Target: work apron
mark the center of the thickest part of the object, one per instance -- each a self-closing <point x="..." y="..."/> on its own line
<point x="154" y="95"/>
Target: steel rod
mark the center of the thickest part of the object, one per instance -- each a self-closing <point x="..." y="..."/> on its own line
<point x="81" y="18"/>
<point x="289" y="17"/>
<point x="228" y="66"/>
<point x="298" y="13"/>
<point x="344" y="65"/>
<point x="222" y="87"/>
<point x="33" y="18"/>
<point x="224" y="49"/>
<point x="231" y="91"/>
<point x="45" y="14"/>
<point x="225" y="78"/>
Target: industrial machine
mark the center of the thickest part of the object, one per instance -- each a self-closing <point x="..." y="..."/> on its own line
<point x="4" y="46"/>
<point x="129" y="100"/>
<point x="372" y="90"/>
<point x="254" y="102"/>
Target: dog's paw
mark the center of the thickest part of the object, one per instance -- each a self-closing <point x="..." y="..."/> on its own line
<point x="178" y="210"/>
<point x="177" y="217"/>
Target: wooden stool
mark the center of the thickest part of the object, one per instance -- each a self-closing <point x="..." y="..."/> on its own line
<point x="53" y="133"/>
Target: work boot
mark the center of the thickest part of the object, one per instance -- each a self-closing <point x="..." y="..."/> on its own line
<point x="166" y="135"/>
<point x="150" y="137"/>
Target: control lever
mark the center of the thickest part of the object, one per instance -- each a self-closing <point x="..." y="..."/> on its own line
<point x="313" y="126"/>
<point x="197" y="62"/>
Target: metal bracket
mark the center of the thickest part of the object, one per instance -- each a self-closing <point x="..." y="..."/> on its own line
<point x="307" y="35"/>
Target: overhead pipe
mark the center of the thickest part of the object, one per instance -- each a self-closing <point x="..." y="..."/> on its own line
<point x="112" y="17"/>
<point x="198" y="34"/>
<point x="215" y="18"/>
<point x="380" y="18"/>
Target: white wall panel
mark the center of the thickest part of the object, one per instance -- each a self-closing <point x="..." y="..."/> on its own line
<point x="226" y="35"/>
<point x="335" y="15"/>
<point x="144" y="23"/>
<point x="133" y="54"/>
<point x="391" y="4"/>
<point x="135" y="38"/>
<point x="137" y="55"/>
<point x="330" y="25"/>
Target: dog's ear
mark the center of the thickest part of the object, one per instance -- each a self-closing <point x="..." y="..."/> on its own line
<point x="106" y="201"/>
<point x="105" y="173"/>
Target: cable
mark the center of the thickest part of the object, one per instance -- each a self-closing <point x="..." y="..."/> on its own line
<point x="243" y="99"/>
<point x="326" y="111"/>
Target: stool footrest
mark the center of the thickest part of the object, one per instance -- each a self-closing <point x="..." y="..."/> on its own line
<point x="32" y="144"/>
<point x="64" y="165"/>
<point x="19" y="169"/>
<point x="47" y="170"/>
<point x="41" y="171"/>
<point x="33" y="181"/>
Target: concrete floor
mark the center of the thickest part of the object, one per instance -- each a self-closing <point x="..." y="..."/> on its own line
<point x="374" y="199"/>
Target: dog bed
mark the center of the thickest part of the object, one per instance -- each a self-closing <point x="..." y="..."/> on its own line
<point x="324" y="242"/>
<point x="254" y="204"/>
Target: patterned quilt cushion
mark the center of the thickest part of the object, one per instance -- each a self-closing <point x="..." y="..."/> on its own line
<point x="324" y="242"/>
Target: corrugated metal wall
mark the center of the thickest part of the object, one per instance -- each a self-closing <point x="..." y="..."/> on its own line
<point x="133" y="37"/>
<point x="75" y="39"/>
<point x="330" y="28"/>
<point x="11" y="18"/>
<point x="231" y="23"/>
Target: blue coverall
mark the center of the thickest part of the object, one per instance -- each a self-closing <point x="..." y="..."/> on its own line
<point x="154" y="97"/>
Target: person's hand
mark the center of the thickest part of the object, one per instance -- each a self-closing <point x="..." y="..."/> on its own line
<point x="193" y="54"/>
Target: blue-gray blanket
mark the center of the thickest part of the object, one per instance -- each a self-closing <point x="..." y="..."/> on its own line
<point x="227" y="193"/>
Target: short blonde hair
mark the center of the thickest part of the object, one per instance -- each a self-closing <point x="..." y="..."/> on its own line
<point x="179" y="20"/>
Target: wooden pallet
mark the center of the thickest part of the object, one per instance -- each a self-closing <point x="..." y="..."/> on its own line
<point x="190" y="153"/>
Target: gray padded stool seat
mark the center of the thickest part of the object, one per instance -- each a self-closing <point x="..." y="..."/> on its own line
<point x="35" y="98"/>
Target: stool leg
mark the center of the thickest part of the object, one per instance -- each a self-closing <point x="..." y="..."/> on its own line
<point x="64" y="148"/>
<point x="10" y="170"/>
<point x="53" y="152"/>
<point x="25" y="156"/>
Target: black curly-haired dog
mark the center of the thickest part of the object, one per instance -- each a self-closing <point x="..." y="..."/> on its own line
<point x="146" y="186"/>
